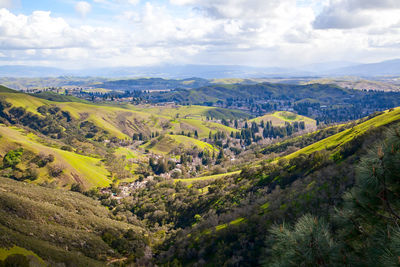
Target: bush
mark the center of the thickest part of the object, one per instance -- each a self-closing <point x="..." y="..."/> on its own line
<point x="31" y="173"/>
<point x="12" y="158"/>
<point x="67" y="148"/>
<point x="77" y="188"/>
<point x="55" y="170"/>
<point x="15" y="260"/>
<point x="42" y="159"/>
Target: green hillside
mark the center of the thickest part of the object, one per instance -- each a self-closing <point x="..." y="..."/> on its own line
<point x="88" y="171"/>
<point x="167" y="143"/>
<point x="87" y="133"/>
<point x="124" y="120"/>
<point x="177" y="185"/>
<point x="58" y="226"/>
<point x="335" y="142"/>
<point x="279" y="118"/>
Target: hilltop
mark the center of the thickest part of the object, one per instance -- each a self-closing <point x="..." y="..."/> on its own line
<point x="359" y="84"/>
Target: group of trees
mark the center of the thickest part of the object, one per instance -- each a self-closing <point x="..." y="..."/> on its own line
<point x="317" y="222"/>
<point x="21" y="164"/>
<point x="364" y="231"/>
<point x="255" y="132"/>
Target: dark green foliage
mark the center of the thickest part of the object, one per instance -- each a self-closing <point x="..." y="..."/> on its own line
<point x="15" y="260"/>
<point x="327" y="103"/>
<point x="77" y="188"/>
<point x="55" y="170"/>
<point x="63" y="227"/>
<point x="12" y="158"/>
<point x="308" y="243"/>
<point x="368" y="222"/>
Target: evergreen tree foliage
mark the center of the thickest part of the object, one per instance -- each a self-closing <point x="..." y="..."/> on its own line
<point x="370" y="217"/>
<point x="308" y="243"/>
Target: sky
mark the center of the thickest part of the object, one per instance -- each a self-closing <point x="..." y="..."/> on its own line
<point x="283" y="33"/>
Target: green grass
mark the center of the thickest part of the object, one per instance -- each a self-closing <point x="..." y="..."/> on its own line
<point x="90" y="170"/>
<point x="58" y="97"/>
<point x="4" y="89"/>
<point x="227" y="81"/>
<point x="265" y="206"/>
<point x="206" y="178"/>
<point x="279" y="118"/>
<point x="123" y="120"/>
<point x="5" y="252"/>
<point x="28" y="102"/>
<point x="128" y="153"/>
<point x="46" y="221"/>
<point x="334" y="142"/>
<point x="165" y="144"/>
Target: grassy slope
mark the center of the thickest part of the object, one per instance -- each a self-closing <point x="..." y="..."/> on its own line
<point x="203" y="127"/>
<point x="58" y="97"/>
<point x="334" y="142"/>
<point x="359" y="84"/>
<point x="168" y="142"/>
<point x="55" y="223"/>
<point x="5" y="252"/>
<point x="279" y="118"/>
<point x="90" y="170"/>
<point x="124" y="120"/>
<point x="28" y="102"/>
<point x="206" y="178"/>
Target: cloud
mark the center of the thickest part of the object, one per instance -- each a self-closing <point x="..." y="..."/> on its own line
<point x="252" y="32"/>
<point x="348" y="14"/>
<point x="6" y="3"/>
<point x="235" y="8"/>
<point x="82" y="8"/>
<point x="115" y="3"/>
<point x="341" y="19"/>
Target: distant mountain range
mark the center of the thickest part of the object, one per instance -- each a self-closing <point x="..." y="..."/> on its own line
<point x="390" y="67"/>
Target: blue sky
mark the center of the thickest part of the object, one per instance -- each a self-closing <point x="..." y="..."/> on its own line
<point x="285" y="33"/>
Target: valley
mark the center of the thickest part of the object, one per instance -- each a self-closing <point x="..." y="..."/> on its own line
<point x="166" y="179"/>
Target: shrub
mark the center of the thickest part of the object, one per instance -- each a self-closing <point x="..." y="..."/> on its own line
<point x="55" y="170"/>
<point x="77" y="188"/>
<point x="67" y="148"/>
<point x="31" y="173"/>
<point x="15" y="260"/>
<point x="12" y="158"/>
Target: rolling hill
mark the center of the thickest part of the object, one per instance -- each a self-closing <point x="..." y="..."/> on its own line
<point x="85" y="170"/>
<point x="81" y="156"/>
<point x="359" y="84"/>
<point x="58" y="226"/>
<point x="279" y="118"/>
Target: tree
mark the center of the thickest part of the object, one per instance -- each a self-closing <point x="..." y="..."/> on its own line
<point x="220" y="156"/>
<point x="370" y="217"/>
<point x="12" y="158"/>
<point x="308" y="243"/>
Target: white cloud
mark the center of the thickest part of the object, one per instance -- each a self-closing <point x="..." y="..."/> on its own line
<point x="6" y="3"/>
<point x="115" y="3"/>
<point x="253" y="32"/>
<point x="236" y="8"/>
<point x="82" y="8"/>
<point x="347" y="14"/>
